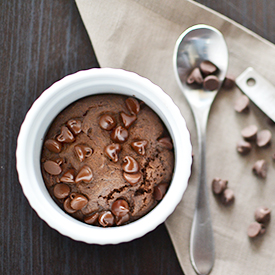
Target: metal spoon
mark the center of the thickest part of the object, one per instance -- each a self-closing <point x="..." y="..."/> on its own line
<point x="199" y="43"/>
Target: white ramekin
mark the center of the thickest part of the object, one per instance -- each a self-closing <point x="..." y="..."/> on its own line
<point x="49" y="105"/>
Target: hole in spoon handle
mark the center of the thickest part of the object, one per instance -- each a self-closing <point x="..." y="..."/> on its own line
<point x="262" y="93"/>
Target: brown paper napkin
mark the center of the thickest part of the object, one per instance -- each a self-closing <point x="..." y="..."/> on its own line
<point x="139" y="36"/>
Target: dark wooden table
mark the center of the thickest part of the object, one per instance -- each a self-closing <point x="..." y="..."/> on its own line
<point x="42" y="41"/>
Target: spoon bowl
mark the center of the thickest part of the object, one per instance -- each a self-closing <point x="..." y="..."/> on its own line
<point x="196" y="44"/>
<point x="199" y="43"/>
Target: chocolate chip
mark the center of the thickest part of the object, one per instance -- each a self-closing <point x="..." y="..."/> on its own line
<point x="106" y="218"/>
<point x="166" y="142"/>
<point x="112" y="151"/>
<point x="260" y="168"/>
<point x="207" y="67"/>
<point x="66" y="135"/>
<point x="83" y="151"/>
<point x="68" y="176"/>
<point x="139" y="146"/>
<point x="249" y="132"/>
<point x="127" y="119"/>
<point x="262" y="214"/>
<point x="78" y="201"/>
<point x="107" y="122"/>
<point x="242" y="104"/>
<point x="243" y="147"/>
<point x="52" y="168"/>
<point x="132" y="178"/>
<point x="229" y="82"/>
<point x="263" y="138"/>
<point x="130" y="165"/>
<point x="67" y="206"/>
<point x="74" y="125"/>
<point x="61" y="190"/>
<point x="119" y="134"/>
<point x="132" y="105"/>
<point x="195" y="77"/>
<point x="120" y="208"/>
<point x="92" y="219"/>
<point x="255" y="229"/>
<point x="53" y="145"/>
<point x="84" y="175"/>
<point x="122" y="220"/>
<point x="211" y="83"/>
<point x="219" y="185"/>
<point x="160" y="190"/>
<point x="227" y="197"/>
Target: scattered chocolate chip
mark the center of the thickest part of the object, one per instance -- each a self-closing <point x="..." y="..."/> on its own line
<point x="211" y="83"/>
<point x="241" y="104"/>
<point x="166" y="142"/>
<point x="229" y="82"/>
<point x="263" y="138"/>
<point x="130" y="165"/>
<point x="262" y="214"/>
<point x="83" y="151"/>
<point x="219" y="185"/>
<point x="84" y="175"/>
<point x="52" y="168"/>
<point x="112" y="151"/>
<point x="195" y="77"/>
<point x="120" y="208"/>
<point x="61" y="190"/>
<point x="249" y="132"/>
<point x="128" y="120"/>
<point x="106" y="218"/>
<point x="53" y="145"/>
<point x="107" y="122"/>
<point x="68" y="176"/>
<point x="78" y="201"/>
<point x="92" y="219"/>
<point x="227" y="196"/>
<point x="139" y="146"/>
<point x="255" y="229"/>
<point x="67" y="206"/>
<point x="119" y="134"/>
<point x="132" y="105"/>
<point x="66" y="135"/>
<point x="75" y="126"/>
<point x="122" y="220"/>
<point x="243" y="147"/>
<point x="160" y="190"/>
<point x="207" y="67"/>
<point x="260" y="168"/>
<point x="132" y="178"/>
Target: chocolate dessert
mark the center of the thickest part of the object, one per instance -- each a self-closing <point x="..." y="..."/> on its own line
<point x="107" y="160"/>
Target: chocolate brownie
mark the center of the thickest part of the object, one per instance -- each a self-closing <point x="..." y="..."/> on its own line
<point x="107" y="159"/>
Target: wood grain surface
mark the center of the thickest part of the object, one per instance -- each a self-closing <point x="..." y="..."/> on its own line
<point x="41" y="42"/>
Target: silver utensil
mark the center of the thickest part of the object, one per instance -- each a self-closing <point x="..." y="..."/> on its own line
<point x="199" y="43"/>
<point x="259" y="90"/>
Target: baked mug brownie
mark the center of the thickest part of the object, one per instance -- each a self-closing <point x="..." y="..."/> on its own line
<point x="107" y="159"/>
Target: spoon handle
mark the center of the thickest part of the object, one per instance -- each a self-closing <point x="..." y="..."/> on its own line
<point x="201" y="240"/>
